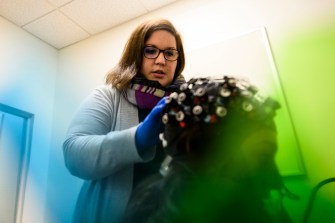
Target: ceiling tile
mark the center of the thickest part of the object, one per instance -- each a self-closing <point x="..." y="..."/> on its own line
<point x="58" y="3"/>
<point x="97" y="16"/>
<point x="64" y="22"/>
<point x="22" y="12"/>
<point x="154" y="4"/>
<point x="57" y="30"/>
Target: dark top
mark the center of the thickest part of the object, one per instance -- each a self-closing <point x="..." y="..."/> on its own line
<point x="143" y="170"/>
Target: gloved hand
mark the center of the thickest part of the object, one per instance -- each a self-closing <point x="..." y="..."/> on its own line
<point x="147" y="133"/>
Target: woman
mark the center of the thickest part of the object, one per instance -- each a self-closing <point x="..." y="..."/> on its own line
<point x="220" y="139"/>
<point x="111" y="142"/>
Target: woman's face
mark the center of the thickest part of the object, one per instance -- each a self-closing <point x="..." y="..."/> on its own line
<point x="160" y="69"/>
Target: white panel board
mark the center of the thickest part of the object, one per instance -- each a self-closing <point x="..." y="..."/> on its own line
<point x="249" y="56"/>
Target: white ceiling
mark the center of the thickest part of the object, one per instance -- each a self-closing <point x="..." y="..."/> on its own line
<point x="61" y="23"/>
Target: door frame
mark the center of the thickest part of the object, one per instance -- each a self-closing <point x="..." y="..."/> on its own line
<point x="28" y="121"/>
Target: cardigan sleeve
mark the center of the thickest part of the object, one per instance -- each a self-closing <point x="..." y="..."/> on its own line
<point x="92" y="148"/>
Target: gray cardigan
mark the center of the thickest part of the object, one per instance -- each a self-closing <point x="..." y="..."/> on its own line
<point x="100" y="148"/>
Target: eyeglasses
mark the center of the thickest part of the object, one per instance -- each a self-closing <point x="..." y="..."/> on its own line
<point x="152" y="52"/>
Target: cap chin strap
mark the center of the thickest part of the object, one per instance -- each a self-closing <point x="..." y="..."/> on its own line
<point x="165" y="166"/>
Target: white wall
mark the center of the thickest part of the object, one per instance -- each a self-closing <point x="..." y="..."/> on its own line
<point x="84" y="65"/>
<point x="28" y="69"/>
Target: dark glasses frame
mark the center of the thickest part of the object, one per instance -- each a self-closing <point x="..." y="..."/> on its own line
<point x="169" y="54"/>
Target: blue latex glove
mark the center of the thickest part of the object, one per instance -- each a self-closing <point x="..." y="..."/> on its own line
<point x="147" y="133"/>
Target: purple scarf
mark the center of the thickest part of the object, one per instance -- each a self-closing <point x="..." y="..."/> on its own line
<point x="148" y="93"/>
<point x="147" y="97"/>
